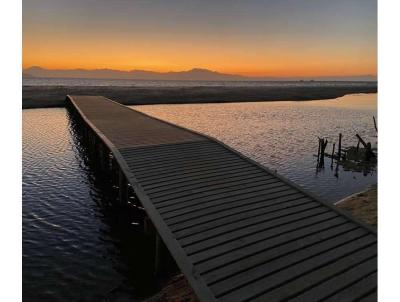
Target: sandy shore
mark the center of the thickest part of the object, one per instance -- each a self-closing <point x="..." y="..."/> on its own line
<point x="54" y="96"/>
<point x="363" y="205"/>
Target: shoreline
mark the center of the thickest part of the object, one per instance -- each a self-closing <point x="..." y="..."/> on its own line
<point x="362" y="205"/>
<point x="54" y="96"/>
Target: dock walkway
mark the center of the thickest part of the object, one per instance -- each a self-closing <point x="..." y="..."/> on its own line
<point x="238" y="231"/>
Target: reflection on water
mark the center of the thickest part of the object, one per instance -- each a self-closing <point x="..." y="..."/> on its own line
<point x="73" y="247"/>
<point x="284" y="135"/>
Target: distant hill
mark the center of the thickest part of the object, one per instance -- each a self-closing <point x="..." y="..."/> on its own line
<point x="195" y="74"/>
<point x="27" y="75"/>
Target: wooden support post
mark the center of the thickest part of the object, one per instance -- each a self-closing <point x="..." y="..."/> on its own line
<point x="333" y="153"/>
<point x="158" y="255"/>
<point x="319" y="149"/>
<point x="163" y="262"/>
<point x="376" y="127"/>
<point x="340" y="147"/>
<point x="109" y="162"/>
<point x="123" y="188"/>
<point x="114" y="176"/>
<point x="148" y="226"/>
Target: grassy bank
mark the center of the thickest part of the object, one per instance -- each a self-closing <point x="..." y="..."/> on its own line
<point x="54" y="96"/>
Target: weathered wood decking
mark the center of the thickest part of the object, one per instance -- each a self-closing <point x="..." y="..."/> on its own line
<point x="237" y="231"/>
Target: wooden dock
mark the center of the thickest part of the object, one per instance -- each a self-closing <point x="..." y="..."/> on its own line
<point x="238" y="231"/>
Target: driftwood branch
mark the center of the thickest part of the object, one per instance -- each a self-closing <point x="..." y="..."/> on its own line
<point x="368" y="149"/>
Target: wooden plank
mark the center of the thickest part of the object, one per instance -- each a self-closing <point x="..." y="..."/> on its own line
<point x="370" y="297"/>
<point x="251" y="230"/>
<point x="356" y="291"/>
<point x="352" y="273"/>
<point x="218" y="187"/>
<point x="258" y="220"/>
<point x="260" y="280"/>
<point x="169" y="162"/>
<point x="249" y="211"/>
<point x="202" y="185"/>
<point x="255" y="201"/>
<point x="210" y="168"/>
<point x="206" y="164"/>
<point x="252" y="211"/>
<point x="218" y="197"/>
<point x="328" y="271"/>
<point x="196" y="176"/>
<point x="224" y="266"/>
<point x="260" y="236"/>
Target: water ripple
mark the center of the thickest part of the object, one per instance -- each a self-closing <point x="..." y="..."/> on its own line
<point x="71" y="250"/>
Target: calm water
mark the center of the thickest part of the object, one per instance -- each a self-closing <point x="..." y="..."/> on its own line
<point x="284" y="135"/>
<point x="73" y="248"/>
<point x="163" y="83"/>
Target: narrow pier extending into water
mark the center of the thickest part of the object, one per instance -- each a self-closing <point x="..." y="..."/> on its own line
<point x="237" y="231"/>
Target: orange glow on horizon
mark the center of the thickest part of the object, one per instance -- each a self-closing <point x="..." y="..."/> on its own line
<point x="162" y="55"/>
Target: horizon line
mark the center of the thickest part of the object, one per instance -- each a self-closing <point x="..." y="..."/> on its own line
<point x="199" y="68"/>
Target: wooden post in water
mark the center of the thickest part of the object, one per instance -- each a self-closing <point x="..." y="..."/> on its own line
<point x="323" y="144"/>
<point x="114" y="175"/>
<point x="333" y="153"/>
<point x="340" y="147"/>
<point x="109" y="162"/>
<point x="376" y="127"/>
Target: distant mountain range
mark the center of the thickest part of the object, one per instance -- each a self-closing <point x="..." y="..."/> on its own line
<point x="195" y="74"/>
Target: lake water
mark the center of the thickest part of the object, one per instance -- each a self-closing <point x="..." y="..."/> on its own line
<point x="73" y="249"/>
<point x="284" y="135"/>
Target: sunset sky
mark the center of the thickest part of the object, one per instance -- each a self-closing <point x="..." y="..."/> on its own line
<point x="255" y="37"/>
